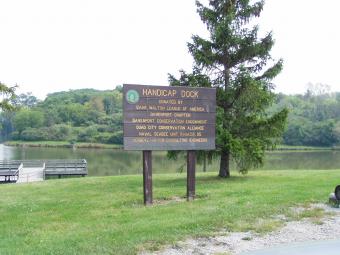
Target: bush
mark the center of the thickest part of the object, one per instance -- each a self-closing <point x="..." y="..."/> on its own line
<point x="110" y="138"/>
<point x="103" y="137"/>
<point x="35" y="134"/>
<point x="60" y="132"/>
<point x="88" y="134"/>
<point x="117" y="138"/>
<point x="15" y="135"/>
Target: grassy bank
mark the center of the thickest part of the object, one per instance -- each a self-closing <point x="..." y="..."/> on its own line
<point x="62" y="144"/>
<point x="105" y="215"/>
<point x="305" y="148"/>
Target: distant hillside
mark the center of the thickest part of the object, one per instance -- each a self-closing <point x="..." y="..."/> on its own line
<point x="314" y="120"/>
<point x="85" y="115"/>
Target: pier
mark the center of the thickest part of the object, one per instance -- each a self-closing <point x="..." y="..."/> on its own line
<point x="21" y="171"/>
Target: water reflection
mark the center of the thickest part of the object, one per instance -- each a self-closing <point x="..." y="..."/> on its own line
<point x="102" y="162"/>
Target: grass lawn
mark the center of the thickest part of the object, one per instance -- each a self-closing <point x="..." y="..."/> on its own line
<point x="105" y="215"/>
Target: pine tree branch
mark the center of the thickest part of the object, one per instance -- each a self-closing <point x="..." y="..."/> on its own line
<point x="272" y="72"/>
<point x="250" y="50"/>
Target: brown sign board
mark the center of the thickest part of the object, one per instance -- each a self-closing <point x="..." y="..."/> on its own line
<point x="168" y="118"/>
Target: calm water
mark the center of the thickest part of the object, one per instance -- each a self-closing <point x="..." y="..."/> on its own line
<point x="118" y="162"/>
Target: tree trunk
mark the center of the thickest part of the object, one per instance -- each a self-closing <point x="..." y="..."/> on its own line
<point x="204" y="162"/>
<point x="225" y="154"/>
<point x="224" y="165"/>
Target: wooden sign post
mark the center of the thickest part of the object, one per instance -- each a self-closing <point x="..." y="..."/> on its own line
<point x="168" y="118"/>
<point x="191" y="171"/>
<point x="147" y="177"/>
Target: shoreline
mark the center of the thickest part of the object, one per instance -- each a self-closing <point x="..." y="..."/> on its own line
<point x="305" y="148"/>
<point x="65" y="144"/>
<point x="62" y="144"/>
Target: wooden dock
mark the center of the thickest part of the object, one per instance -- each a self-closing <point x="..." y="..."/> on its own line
<point x="21" y="171"/>
<point x="31" y="174"/>
<point x="9" y="171"/>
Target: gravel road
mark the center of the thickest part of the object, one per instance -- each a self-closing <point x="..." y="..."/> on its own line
<point x="326" y="228"/>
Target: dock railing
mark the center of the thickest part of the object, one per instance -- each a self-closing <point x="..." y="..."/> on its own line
<point x="10" y="169"/>
<point x="66" y="167"/>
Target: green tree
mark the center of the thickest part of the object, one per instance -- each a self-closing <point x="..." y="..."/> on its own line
<point x="6" y="110"/>
<point x="7" y="95"/>
<point x="74" y="113"/>
<point x="27" y="118"/>
<point x="77" y="115"/>
<point x="25" y="100"/>
<point x="6" y="126"/>
<point x="235" y="61"/>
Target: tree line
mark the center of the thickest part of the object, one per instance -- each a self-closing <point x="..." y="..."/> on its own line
<point x="84" y="115"/>
<point x="314" y="119"/>
<point x="89" y="115"/>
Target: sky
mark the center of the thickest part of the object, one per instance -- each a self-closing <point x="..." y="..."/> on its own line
<point x="58" y="45"/>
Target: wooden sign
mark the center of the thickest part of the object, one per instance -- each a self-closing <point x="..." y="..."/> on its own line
<point x="168" y="118"/>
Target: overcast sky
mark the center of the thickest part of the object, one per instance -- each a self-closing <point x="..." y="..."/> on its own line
<point x="54" y="45"/>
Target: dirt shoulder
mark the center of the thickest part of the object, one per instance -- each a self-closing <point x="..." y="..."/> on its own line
<point x="315" y="222"/>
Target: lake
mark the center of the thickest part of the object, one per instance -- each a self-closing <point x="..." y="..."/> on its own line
<point x="103" y="162"/>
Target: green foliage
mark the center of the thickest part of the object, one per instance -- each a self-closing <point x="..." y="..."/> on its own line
<point x="117" y="137"/>
<point x="25" y="100"/>
<point x="60" y="132"/>
<point x="7" y="95"/>
<point x="88" y="134"/>
<point x="314" y="118"/>
<point x="27" y="118"/>
<point x="35" y="134"/>
<point x="85" y="115"/>
<point x="238" y="63"/>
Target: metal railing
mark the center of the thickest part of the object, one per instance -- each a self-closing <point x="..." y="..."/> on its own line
<point x="9" y="170"/>
<point x="50" y="167"/>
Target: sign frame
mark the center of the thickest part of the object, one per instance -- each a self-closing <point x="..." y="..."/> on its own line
<point x="168" y="117"/>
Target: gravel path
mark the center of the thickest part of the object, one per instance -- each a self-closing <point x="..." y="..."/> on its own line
<point x="239" y="242"/>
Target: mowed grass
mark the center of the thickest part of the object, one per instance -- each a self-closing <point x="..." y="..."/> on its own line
<point x="105" y="215"/>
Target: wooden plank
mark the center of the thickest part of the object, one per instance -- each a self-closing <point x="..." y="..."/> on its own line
<point x="65" y="174"/>
<point x="158" y="104"/>
<point x="191" y="171"/>
<point x="171" y="92"/>
<point x="145" y="143"/>
<point x="169" y="131"/>
<point x="147" y="177"/>
<point x="155" y="116"/>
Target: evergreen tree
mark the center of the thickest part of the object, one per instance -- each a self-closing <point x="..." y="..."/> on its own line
<point x="235" y="61"/>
